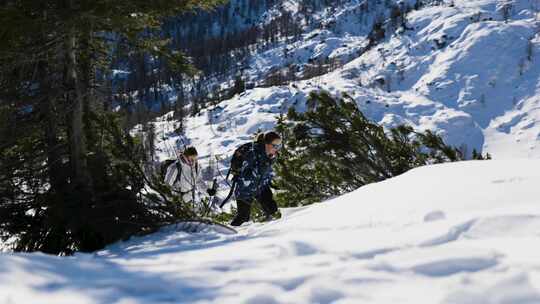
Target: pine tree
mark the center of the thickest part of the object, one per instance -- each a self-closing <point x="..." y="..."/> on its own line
<point x="70" y="177"/>
<point x="333" y="148"/>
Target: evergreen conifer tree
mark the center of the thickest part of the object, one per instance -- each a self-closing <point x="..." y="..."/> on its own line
<point x="70" y="177"/>
<point x="332" y="148"/>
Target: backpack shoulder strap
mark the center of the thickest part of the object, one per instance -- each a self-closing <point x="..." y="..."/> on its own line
<point x="179" y="169"/>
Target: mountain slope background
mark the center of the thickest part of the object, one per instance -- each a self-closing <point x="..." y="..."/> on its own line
<point x="468" y="70"/>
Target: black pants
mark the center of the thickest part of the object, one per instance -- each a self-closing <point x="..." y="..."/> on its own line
<point x="266" y="200"/>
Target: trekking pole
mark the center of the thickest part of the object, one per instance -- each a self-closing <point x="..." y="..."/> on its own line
<point x="221" y="174"/>
<point x="229" y="195"/>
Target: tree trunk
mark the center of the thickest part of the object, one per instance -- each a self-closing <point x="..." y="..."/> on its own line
<point x="77" y="140"/>
<point x="54" y="156"/>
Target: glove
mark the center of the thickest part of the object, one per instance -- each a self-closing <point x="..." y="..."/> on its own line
<point x="211" y="191"/>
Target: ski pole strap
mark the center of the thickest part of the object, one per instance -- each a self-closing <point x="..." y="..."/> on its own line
<point x="229" y="195"/>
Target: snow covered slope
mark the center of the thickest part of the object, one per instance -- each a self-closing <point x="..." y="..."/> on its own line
<point x="455" y="233"/>
<point x="464" y="232"/>
<point x="469" y="70"/>
<point x="479" y="71"/>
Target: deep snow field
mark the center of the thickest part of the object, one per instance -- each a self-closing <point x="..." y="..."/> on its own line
<point x="464" y="232"/>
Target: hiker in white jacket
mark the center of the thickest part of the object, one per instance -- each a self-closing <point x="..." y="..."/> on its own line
<point x="185" y="177"/>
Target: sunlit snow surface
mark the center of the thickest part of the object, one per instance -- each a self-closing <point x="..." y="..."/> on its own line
<point x="456" y="233"/>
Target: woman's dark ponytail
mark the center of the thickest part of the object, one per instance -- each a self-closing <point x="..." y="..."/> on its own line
<point x="270" y="136"/>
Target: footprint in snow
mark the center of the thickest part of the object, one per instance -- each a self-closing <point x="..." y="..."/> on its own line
<point x="435" y="215"/>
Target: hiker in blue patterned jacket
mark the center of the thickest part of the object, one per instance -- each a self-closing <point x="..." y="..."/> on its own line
<point x="255" y="177"/>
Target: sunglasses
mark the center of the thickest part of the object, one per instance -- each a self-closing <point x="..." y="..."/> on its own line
<point x="277" y="146"/>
